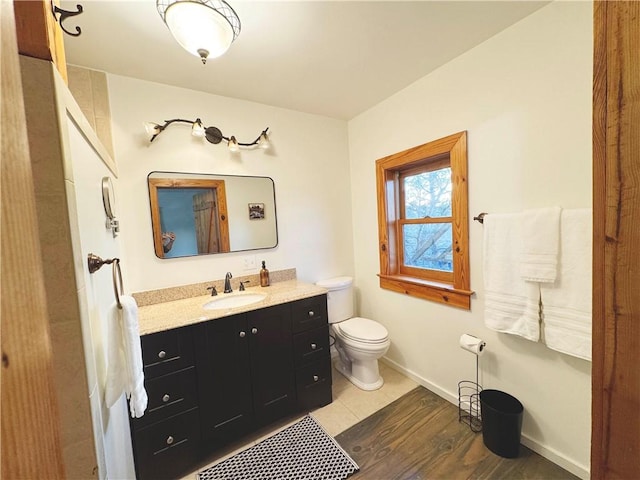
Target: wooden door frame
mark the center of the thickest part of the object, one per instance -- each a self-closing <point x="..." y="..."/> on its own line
<point x="217" y="185"/>
<point x="31" y="444"/>
<point x="615" y="432"/>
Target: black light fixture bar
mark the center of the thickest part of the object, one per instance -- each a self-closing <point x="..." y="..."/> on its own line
<point x="212" y="134"/>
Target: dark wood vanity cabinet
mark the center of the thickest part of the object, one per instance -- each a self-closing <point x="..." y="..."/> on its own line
<point x="166" y="439"/>
<point x="224" y="373"/>
<point x="272" y="372"/>
<point x="245" y="372"/>
<point x="312" y="358"/>
<point x="212" y="382"/>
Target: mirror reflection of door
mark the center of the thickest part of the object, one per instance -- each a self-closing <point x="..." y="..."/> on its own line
<point x="205" y="213"/>
<point x="199" y="226"/>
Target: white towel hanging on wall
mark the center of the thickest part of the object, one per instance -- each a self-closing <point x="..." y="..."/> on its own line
<point x="125" y="369"/>
<point x="511" y="304"/>
<point x="566" y="304"/>
<point x="540" y="244"/>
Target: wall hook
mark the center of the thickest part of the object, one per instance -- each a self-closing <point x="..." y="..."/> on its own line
<point x="64" y="14"/>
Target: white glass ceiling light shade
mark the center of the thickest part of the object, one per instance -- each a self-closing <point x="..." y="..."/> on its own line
<point x="204" y="28"/>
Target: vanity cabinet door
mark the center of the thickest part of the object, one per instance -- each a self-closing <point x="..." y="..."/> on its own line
<point x="224" y="378"/>
<point x="166" y="352"/>
<point x="272" y="370"/>
<point x="311" y="346"/>
<point x="314" y="384"/>
<point x="168" y="395"/>
<point x="166" y="439"/>
<point x="309" y="313"/>
<point x="168" y="449"/>
<point x="312" y="358"/>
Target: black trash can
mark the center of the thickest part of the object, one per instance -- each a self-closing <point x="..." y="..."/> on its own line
<point x="501" y="422"/>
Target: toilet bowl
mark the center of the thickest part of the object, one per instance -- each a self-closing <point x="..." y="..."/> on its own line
<point x="360" y="342"/>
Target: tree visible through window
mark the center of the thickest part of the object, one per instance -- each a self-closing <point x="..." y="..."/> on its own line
<point x="427" y="200"/>
<point x="422" y="213"/>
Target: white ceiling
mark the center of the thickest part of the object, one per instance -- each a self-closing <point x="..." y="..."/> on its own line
<point x="332" y="58"/>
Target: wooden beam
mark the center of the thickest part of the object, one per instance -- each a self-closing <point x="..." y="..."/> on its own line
<point x="615" y="441"/>
<point x="39" y="34"/>
<point x="30" y="442"/>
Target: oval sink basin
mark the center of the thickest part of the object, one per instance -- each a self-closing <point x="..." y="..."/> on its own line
<point x="234" y="301"/>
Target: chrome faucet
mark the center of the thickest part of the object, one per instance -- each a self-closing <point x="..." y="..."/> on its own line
<point x="227" y="283"/>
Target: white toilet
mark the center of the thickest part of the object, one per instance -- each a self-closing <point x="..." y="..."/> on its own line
<point x="360" y="342"/>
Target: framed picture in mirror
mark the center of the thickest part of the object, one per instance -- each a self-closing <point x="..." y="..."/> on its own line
<point x="256" y="211"/>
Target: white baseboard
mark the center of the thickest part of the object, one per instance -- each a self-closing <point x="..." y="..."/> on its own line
<point x="548" y="453"/>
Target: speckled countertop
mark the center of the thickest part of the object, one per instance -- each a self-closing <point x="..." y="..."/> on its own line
<point x="179" y="313"/>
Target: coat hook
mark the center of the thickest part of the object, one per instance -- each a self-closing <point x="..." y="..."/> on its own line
<point x="64" y="14"/>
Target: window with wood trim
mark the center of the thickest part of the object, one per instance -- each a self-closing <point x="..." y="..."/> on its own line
<point x="423" y="221"/>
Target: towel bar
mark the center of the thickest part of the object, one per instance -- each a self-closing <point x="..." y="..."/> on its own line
<point x="95" y="263"/>
<point x="480" y="217"/>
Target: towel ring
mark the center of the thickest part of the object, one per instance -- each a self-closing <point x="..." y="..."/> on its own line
<point x="117" y="281"/>
<point x="95" y="263"/>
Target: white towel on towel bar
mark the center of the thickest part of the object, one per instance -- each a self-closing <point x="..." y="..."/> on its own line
<point x="511" y="305"/>
<point x="125" y="368"/>
<point x="566" y="304"/>
<point x="540" y="244"/>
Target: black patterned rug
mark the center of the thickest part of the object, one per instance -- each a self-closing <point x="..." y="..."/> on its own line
<point x="302" y="451"/>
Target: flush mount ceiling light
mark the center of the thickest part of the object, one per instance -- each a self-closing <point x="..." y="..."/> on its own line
<point x="204" y="28"/>
<point x="212" y="134"/>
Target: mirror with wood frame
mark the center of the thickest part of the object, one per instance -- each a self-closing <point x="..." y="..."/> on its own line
<point x="201" y="214"/>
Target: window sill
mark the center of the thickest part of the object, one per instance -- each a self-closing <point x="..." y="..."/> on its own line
<point x="436" y="292"/>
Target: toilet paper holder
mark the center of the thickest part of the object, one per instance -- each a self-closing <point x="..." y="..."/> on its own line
<point x="469" y="391"/>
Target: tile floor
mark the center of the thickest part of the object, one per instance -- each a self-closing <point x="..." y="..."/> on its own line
<point x="349" y="406"/>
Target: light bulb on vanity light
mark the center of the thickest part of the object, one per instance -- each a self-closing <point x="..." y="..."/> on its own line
<point x="263" y="141"/>
<point x="152" y="128"/>
<point x="197" y="130"/>
<point x="233" y="145"/>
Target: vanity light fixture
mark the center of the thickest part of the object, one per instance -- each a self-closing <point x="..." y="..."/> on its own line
<point x="204" y="28"/>
<point x="212" y="134"/>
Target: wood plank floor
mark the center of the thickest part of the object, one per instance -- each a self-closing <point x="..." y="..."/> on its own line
<point x="419" y="437"/>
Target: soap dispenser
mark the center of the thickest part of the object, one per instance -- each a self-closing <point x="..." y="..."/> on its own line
<point x="264" y="276"/>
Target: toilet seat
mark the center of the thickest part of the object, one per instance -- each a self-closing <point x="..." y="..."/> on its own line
<point x="362" y="330"/>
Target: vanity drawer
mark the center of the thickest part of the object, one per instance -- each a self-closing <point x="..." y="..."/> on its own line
<point x="311" y="345"/>
<point x="168" y="395"/>
<point x="168" y="449"/>
<point x="166" y="352"/>
<point x="313" y="384"/>
<point x="309" y="313"/>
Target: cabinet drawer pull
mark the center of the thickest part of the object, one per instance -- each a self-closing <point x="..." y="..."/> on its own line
<point x="169" y="440"/>
<point x="313" y="346"/>
<point x="311" y="314"/>
<point x="162" y="354"/>
<point x="242" y="334"/>
<point x="254" y="330"/>
<point x="316" y="378"/>
<point x="165" y="398"/>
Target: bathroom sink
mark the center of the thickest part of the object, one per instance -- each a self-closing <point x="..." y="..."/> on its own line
<point x="234" y="300"/>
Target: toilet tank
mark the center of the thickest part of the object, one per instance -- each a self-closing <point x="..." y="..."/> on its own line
<point x="339" y="298"/>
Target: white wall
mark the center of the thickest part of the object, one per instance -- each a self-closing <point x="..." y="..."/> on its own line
<point x="96" y="296"/>
<point x="308" y="163"/>
<point x="524" y="96"/>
